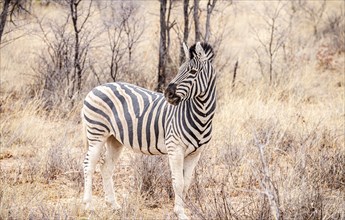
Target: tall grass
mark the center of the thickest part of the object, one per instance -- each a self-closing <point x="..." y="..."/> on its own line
<point x="276" y="150"/>
<point x="264" y="148"/>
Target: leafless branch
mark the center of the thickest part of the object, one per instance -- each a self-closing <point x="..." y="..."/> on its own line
<point x="275" y="41"/>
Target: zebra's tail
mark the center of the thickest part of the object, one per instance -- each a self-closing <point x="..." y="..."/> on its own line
<point x="86" y="144"/>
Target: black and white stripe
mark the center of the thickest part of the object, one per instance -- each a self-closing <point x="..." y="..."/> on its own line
<point x="133" y="115"/>
<point x="153" y="123"/>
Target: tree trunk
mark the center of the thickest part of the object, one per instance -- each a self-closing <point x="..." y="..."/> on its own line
<point x="168" y="27"/>
<point x="196" y="21"/>
<point x="3" y="17"/>
<point x="77" y="67"/>
<point x="185" y="30"/>
<point x="162" y="47"/>
<point x="210" y="6"/>
<point x="271" y="50"/>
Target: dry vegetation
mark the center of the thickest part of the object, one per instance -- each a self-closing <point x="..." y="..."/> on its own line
<point x="278" y="147"/>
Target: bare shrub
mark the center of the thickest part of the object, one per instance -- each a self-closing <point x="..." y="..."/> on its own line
<point x="334" y="28"/>
<point x="263" y="173"/>
<point x="214" y="192"/>
<point x="54" y="164"/>
<point x="32" y="170"/>
<point x="328" y="165"/>
<point x="210" y="191"/>
<point x="326" y="56"/>
<point x="309" y="203"/>
<point x="124" y="28"/>
<point x="276" y="174"/>
<point x="62" y="64"/>
<point x="13" y="17"/>
<point x="232" y="156"/>
<point x="59" y="162"/>
<point x="332" y="44"/>
<point x="314" y="14"/>
<point x="216" y="205"/>
<point x="55" y="65"/>
<point x="332" y="170"/>
<point x="152" y="177"/>
<point x="271" y="43"/>
<point x="48" y="211"/>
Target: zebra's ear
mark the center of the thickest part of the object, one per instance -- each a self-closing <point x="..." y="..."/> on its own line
<point x="186" y="51"/>
<point x="200" y="52"/>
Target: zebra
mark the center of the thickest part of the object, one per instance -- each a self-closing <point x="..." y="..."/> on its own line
<point x="177" y="123"/>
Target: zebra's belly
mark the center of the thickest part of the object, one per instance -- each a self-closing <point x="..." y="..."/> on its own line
<point x="143" y="137"/>
<point x="144" y="148"/>
<point x="150" y="150"/>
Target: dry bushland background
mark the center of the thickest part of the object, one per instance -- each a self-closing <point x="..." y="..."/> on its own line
<point x="278" y="143"/>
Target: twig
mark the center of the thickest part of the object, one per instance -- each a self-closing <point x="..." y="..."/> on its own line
<point x="234" y="75"/>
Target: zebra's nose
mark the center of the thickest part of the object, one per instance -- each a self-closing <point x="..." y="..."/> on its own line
<point x="170" y="90"/>
<point x="170" y="94"/>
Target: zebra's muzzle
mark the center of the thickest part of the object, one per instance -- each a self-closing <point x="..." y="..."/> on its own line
<point x="170" y="95"/>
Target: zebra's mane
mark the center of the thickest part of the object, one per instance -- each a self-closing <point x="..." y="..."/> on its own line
<point x="207" y="48"/>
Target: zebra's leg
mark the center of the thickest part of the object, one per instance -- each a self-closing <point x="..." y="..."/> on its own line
<point x="189" y="165"/>
<point x="114" y="149"/>
<point x="176" y="158"/>
<point x="90" y="162"/>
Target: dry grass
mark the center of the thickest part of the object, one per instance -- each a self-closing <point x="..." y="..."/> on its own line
<point x="282" y="144"/>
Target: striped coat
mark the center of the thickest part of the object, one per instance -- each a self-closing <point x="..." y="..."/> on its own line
<point x="177" y="123"/>
<point x="139" y="118"/>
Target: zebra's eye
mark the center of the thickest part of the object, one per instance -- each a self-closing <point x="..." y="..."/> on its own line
<point x="193" y="71"/>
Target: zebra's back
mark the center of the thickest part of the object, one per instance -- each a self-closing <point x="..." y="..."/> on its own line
<point x="133" y="115"/>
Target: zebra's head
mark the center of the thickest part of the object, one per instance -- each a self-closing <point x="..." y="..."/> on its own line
<point x="194" y="75"/>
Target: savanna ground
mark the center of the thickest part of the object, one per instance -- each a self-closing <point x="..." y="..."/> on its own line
<point x="278" y="147"/>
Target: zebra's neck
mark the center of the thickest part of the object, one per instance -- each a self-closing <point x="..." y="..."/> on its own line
<point x="199" y="111"/>
<point x="203" y="106"/>
<point x="191" y="120"/>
